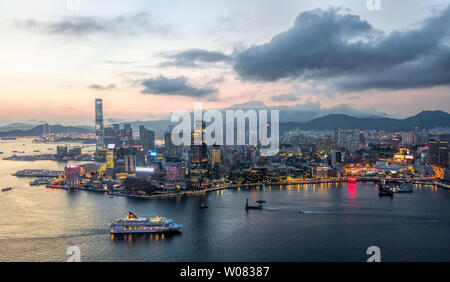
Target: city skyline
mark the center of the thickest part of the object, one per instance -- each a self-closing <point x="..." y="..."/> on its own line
<point x="57" y="61"/>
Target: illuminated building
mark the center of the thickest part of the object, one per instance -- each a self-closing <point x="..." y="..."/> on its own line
<point x="72" y="175"/>
<point x="130" y="163"/>
<point x="175" y="172"/>
<point x="215" y="156"/>
<point x="442" y="154"/>
<point x="99" y="123"/>
<point x="199" y="157"/>
<point x="110" y="159"/>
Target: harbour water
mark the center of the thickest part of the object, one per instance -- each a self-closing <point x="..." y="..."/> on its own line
<point x="339" y="223"/>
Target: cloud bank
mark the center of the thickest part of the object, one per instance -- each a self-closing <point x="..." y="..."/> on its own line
<point x="193" y="58"/>
<point x="162" y="85"/>
<point x="85" y="25"/>
<point x="349" y="52"/>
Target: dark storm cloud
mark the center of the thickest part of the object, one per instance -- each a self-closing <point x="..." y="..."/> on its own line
<point x="284" y="98"/>
<point x="101" y="87"/>
<point x="335" y="44"/>
<point x="193" y="58"/>
<point x="74" y="25"/>
<point x="162" y="85"/>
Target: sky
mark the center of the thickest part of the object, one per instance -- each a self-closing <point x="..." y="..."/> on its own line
<point x="147" y="59"/>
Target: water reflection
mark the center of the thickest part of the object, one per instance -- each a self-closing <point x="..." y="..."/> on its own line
<point x="132" y="238"/>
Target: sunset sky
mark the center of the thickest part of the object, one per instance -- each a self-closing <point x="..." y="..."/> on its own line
<point x="149" y="58"/>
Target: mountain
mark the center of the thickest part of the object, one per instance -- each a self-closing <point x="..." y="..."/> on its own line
<point x="16" y="126"/>
<point x="38" y="130"/>
<point x="425" y="119"/>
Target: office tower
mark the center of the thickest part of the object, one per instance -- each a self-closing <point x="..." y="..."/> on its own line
<point x="362" y="138"/>
<point x="130" y="163"/>
<point x="112" y="135"/>
<point x="215" y="155"/>
<point x="172" y="151"/>
<point x="336" y="158"/>
<point x="216" y="161"/>
<point x="417" y="136"/>
<point x="128" y="135"/>
<point x="147" y="139"/>
<point x="336" y="136"/>
<point x="442" y="154"/>
<point x="110" y="159"/>
<point x="99" y="123"/>
<point x="432" y="152"/>
<point x="199" y="157"/>
<point x="61" y="152"/>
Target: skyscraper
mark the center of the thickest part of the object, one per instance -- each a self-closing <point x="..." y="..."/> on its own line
<point x="172" y="151"/>
<point x="99" y="123"/>
<point x="128" y="131"/>
<point x="199" y="158"/>
<point x="147" y="139"/>
<point x="130" y="163"/>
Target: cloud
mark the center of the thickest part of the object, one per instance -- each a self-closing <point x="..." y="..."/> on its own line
<point x="284" y="98"/>
<point x="101" y="87"/>
<point x="193" y="58"/>
<point x="162" y="85"/>
<point x="78" y="26"/>
<point x="341" y="47"/>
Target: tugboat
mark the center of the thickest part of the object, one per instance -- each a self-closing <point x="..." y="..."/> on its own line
<point x="248" y="207"/>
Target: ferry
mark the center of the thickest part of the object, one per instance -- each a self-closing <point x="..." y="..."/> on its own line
<point x="6" y="189"/>
<point x="133" y="224"/>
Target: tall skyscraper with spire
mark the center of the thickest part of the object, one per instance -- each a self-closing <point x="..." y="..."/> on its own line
<point x="99" y="123"/>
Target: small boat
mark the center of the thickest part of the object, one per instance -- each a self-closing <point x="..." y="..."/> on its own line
<point x="405" y="187"/>
<point x="38" y="181"/>
<point x="260" y="201"/>
<point x="6" y="189"/>
<point x="248" y="207"/>
<point x="203" y="206"/>
<point x="385" y="192"/>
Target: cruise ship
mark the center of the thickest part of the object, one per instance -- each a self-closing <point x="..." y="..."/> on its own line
<point x="133" y="224"/>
